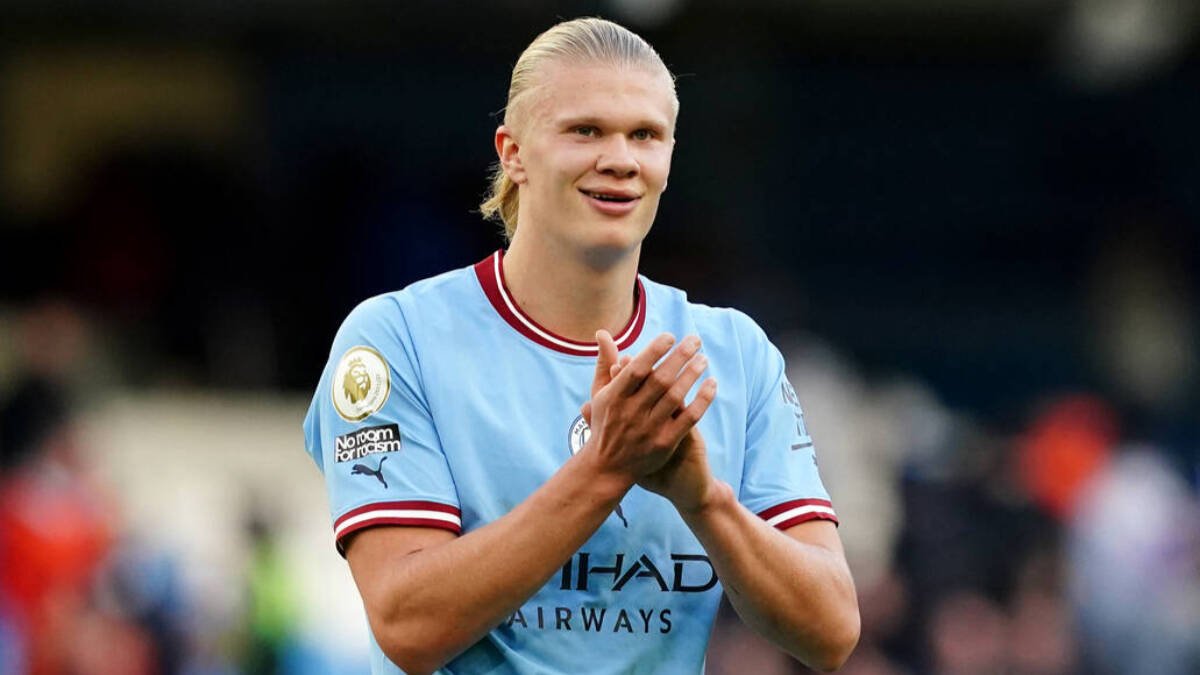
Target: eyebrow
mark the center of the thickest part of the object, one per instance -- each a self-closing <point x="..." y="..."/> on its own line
<point x="585" y="120"/>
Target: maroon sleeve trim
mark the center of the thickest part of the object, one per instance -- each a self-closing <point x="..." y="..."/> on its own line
<point x="796" y="511"/>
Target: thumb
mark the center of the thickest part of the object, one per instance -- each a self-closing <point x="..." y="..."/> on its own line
<point x="605" y="360"/>
<point x="586" y="411"/>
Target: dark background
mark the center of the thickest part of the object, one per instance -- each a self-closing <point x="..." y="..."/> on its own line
<point x="928" y="188"/>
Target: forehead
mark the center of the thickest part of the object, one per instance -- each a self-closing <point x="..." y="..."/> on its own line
<point x="619" y="94"/>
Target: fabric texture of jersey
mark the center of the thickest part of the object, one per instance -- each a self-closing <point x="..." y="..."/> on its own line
<point x="443" y="405"/>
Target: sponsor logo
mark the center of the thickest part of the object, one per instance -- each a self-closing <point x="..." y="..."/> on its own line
<point x="685" y="573"/>
<point x="366" y="441"/>
<point x="592" y="619"/>
<point x="364" y="470"/>
<point x="361" y="383"/>
<point x="789" y="394"/>
<point x="577" y="437"/>
<point x="804" y="441"/>
<point x="598" y="573"/>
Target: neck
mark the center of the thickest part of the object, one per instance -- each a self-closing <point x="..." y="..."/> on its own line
<point x="572" y="293"/>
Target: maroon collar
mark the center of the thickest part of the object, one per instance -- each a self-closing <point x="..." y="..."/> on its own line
<point x="491" y="277"/>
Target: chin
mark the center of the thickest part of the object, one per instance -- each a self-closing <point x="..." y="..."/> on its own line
<point x="606" y="243"/>
<point x="624" y="233"/>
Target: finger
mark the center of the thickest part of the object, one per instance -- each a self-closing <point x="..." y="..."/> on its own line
<point x="672" y="400"/>
<point x="608" y="347"/>
<point x="691" y="414"/>
<point x="605" y="358"/>
<point x="667" y="371"/>
<point x="619" y="365"/>
<point x="632" y="375"/>
<point x="586" y="412"/>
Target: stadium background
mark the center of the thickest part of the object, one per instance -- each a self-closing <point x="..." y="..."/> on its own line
<point x="971" y="226"/>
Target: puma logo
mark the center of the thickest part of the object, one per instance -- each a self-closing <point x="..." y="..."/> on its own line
<point x="364" y="470"/>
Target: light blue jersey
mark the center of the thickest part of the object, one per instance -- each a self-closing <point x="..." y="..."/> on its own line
<point x="444" y="405"/>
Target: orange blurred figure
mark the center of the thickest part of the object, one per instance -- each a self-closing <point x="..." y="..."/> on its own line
<point x="1064" y="448"/>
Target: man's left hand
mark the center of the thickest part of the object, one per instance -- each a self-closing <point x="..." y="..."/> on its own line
<point x="686" y="479"/>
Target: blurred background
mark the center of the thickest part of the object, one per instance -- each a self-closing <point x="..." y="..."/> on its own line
<point x="972" y="227"/>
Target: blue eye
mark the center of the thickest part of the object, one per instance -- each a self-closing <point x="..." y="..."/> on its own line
<point x="643" y="134"/>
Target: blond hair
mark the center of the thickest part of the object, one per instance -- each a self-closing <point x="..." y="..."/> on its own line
<point x="576" y="41"/>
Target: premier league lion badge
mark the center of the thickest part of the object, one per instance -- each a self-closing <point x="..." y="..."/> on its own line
<point x="361" y="384"/>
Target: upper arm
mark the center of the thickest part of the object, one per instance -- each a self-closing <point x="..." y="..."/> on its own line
<point x="839" y="624"/>
<point x="819" y="533"/>
<point x="377" y="554"/>
<point x="372" y="433"/>
<point x="780" y="480"/>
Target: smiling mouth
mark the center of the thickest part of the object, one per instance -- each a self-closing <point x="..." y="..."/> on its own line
<point x="618" y="199"/>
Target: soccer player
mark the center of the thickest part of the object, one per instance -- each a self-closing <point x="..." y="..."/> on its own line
<point x="526" y="470"/>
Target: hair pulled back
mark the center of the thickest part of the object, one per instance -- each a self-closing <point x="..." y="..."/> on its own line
<point x="587" y="40"/>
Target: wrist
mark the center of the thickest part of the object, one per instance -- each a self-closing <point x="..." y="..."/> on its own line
<point x="606" y="484"/>
<point x="717" y="495"/>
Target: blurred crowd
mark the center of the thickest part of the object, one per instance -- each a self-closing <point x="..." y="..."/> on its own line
<point x="80" y="594"/>
<point x="1068" y="543"/>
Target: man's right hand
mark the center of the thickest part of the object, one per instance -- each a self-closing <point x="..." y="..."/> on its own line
<point x="638" y="417"/>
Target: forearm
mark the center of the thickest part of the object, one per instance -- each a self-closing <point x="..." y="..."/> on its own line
<point x="432" y="604"/>
<point x="800" y="596"/>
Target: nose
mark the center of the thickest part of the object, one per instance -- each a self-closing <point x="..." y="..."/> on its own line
<point x="616" y="158"/>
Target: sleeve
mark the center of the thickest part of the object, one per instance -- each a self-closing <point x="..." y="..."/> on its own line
<point x="780" y="479"/>
<point x="370" y="431"/>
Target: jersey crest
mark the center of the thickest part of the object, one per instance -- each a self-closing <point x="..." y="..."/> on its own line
<point x="577" y="437"/>
<point x="579" y="434"/>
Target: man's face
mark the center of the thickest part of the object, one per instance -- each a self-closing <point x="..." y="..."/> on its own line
<point x="594" y="153"/>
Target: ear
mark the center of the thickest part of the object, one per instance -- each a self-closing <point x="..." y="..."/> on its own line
<point x="509" y="152"/>
<point x="672" y="155"/>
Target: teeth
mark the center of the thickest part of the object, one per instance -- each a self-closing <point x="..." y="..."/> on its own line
<point x="608" y="198"/>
